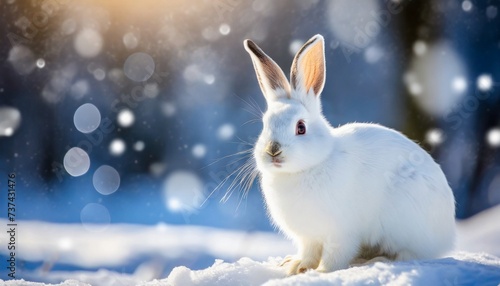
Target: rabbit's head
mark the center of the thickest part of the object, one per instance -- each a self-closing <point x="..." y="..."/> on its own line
<point x="295" y="135"/>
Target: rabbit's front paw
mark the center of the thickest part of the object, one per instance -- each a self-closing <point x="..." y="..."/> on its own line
<point x="297" y="266"/>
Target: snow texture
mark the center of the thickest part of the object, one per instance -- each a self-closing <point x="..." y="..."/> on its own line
<point x="461" y="268"/>
<point x="473" y="264"/>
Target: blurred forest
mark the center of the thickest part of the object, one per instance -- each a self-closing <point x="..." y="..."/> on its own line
<point x="129" y="111"/>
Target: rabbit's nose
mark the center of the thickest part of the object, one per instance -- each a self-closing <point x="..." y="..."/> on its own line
<point x="273" y="148"/>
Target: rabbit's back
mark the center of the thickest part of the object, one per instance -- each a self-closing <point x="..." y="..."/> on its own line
<point x="416" y="205"/>
<point x="387" y="156"/>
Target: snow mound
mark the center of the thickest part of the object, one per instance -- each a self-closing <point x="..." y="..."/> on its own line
<point x="243" y="272"/>
<point x="461" y="268"/>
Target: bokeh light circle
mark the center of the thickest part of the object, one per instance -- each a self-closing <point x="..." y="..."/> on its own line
<point x="117" y="147"/>
<point x="493" y="137"/>
<point x="130" y="40"/>
<point x="484" y="82"/>
<point x="76" y="162"/>
<point x="432" y="78"/>
<point x="106" y="180"/>
<point x="22" y="59"/>
<point x="126" y="117"/>
<point x="139" y="146"/>
<point x="226" y="131"/>
<point x="95" y="217"/>
<point x="183" y="192"/>
<point x="199" y="151"/>
<point x="10" y="119"/>
<point x="434" y="136"/>
<point x="87" y="118"/>
<point x="88" y="43"/>
<point x="139" y="67"/>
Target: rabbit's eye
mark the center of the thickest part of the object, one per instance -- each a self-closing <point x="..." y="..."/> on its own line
<point x="301" y="128"/>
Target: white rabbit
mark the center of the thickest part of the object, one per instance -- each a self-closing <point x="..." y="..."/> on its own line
<point x="345" y="194"/>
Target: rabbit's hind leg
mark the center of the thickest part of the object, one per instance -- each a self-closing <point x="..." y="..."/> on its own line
<point x="371" y="254"/>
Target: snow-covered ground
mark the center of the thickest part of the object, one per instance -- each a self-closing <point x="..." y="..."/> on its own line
<point x="461" y="268"/>
<point x="252" y="258"/>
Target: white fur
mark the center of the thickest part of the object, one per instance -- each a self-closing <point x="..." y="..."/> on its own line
<point x="335" y="190"/>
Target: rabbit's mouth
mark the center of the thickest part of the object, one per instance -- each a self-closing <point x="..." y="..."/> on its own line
<point x="276" y="162"/>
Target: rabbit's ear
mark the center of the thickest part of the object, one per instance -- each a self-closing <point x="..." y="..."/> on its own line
<point x="308" y="67"/>
<point x="272" y="80"/>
